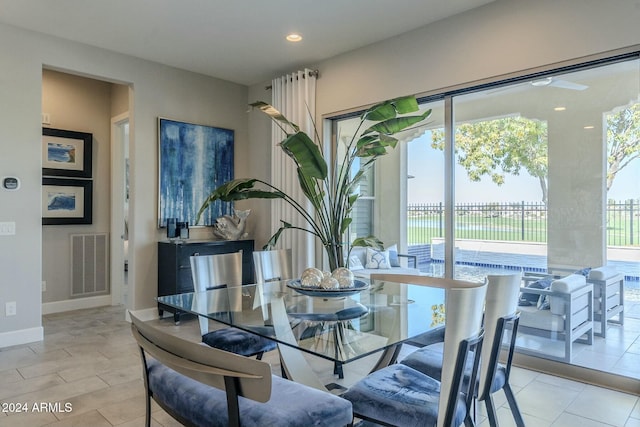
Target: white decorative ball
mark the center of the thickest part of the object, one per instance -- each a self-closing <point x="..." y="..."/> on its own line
<point x="326" y="274"/>
<point x="329" y="283"/>
<point x="311" y="278"/>
<point x="344" y="276"/>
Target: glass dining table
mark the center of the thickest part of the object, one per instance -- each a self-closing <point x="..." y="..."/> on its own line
<point x="341" y="326"/>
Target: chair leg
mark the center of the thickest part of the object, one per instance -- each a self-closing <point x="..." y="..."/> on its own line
<point x="491" y="411"/>
<point x="147" y="421"/>
<point x="259" y="355"/>
<point x="468" y="421"/>
<point x="515" y="411"/>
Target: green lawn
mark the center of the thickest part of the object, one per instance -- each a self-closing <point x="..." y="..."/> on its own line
<point x="421" y="229"/>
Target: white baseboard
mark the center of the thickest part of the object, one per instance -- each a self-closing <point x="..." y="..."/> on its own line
<point x="75" y="304"/>
<point x="23" y="336"/>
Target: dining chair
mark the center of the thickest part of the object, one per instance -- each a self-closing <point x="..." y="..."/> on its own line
<point x="219" y="271"/>
<point x="272" y="265"/>
<point x="500" y="315"/>
<point x="400" y="395"/>
<point x="203" y="386"/>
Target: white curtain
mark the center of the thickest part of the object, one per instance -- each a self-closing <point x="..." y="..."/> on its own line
<point x="294" y="95"/>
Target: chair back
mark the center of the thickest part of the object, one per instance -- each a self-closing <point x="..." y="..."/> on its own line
<point x="501" y="301"/>
<point x="272" y="265"/>
<point x="203" y="363"/>
<point x="464" y="303"/>
<point x="216" y="272"/>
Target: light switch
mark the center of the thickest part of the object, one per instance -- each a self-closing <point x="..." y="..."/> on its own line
<point x="7" y="228"/>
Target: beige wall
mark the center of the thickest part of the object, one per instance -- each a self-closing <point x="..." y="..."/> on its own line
<point x="503" y="37"/>
<point x="83" y="105"/>
<point x="157" y="90"/>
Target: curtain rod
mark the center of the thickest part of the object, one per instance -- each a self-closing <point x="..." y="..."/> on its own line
<point x="312" y="73"/>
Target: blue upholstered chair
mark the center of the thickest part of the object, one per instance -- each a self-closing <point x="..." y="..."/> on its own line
<point x="399" y="395"/>
<point x="203" y="386"/>
<point x="428" y="360"/>
<point x="220" y="271"/>
<point x="500" y="316"/>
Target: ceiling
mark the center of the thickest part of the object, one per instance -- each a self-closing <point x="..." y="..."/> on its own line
<point x="242" y="41"/>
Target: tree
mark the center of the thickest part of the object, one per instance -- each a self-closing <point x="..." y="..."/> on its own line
<point x="499" y="147"/>
<point x="623" y="140"/>
<point x="505" y="146"/>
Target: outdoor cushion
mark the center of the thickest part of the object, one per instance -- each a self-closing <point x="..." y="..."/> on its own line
<point x="355" y="263"/>
<point x="402" y="396"/>
<point x="566" y="285"/>
<point x="204" y="405"/>
<point x="541" y="319"/>
<point x="361" y="254"/>
<point x="527" y="299"/>
<point x="394" y="261"/>
<point x="602" y="273"/>
<point x="377" y="259"/>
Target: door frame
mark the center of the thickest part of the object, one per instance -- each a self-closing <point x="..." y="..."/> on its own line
<point x="118" y="170"/>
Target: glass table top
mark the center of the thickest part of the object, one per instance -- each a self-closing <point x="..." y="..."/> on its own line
<point x="335" y="327"/>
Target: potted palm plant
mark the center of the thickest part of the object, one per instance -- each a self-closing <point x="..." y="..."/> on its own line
<point x="332" y="193"/>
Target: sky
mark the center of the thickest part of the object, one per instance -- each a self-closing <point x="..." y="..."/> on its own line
<point x="426" y="165"/>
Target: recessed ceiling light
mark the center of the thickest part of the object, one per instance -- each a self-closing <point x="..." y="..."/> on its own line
<point x="294" y="37"/>
<point x="560" y="108"/>
<point x="589" y="127"/>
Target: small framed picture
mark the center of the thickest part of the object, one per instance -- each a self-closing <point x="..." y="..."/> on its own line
<point x="66" y="153"/>
<point x="66" y="201"/>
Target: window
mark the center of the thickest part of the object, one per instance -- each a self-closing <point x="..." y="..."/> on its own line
<point x="544" y="171"/>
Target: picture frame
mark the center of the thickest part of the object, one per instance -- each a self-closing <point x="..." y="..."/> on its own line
<point x="66" y="201"/>
<point x="193" y="160"/>
<point x="66" y="153"/>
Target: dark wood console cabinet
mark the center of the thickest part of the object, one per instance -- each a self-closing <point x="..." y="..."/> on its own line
<point x="174" y="269"/>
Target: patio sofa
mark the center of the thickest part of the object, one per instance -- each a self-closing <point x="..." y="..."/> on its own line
<point x="608" y="293"/>
<point x="563" y="312"/>
<point x="392" y="264"/>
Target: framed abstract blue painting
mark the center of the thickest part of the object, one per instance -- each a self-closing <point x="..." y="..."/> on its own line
<point x="193" y="161"/>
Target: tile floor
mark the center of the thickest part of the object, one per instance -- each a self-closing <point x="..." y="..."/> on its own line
<point x="89" y="362"/>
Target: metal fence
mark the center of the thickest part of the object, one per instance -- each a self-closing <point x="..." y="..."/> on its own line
<point x="520" y="221"/>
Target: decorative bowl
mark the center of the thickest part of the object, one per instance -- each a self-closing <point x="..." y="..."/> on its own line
<point x="358" y="286"/>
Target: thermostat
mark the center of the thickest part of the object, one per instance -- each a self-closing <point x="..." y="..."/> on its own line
<point x="11" y="183"/>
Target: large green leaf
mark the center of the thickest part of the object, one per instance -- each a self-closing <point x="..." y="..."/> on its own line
<point x="274" y="239"/>
<point x="275" y="115"/>
<point x="390" y="109"/>
<point x="307" y="184"/>
<point x="406" y="104"/>
<point x="370" y="241"/>
<point x="397" y="124"/>
<point x="306" y="154"/>
<point x="377" y="147"/>
<point x="346" y="222"/>
<point x="238" y="189"/>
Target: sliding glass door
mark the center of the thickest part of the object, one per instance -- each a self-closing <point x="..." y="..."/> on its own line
<point x="538" y="175"/>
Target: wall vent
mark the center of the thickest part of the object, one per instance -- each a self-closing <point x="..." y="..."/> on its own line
<point x="89" y="264"/>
